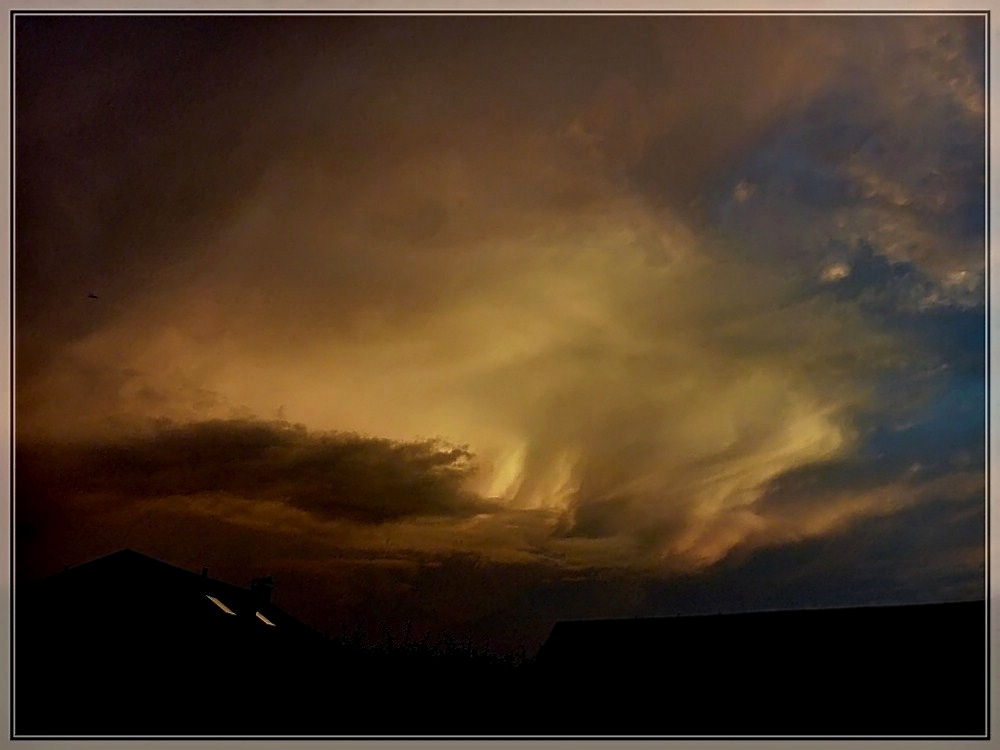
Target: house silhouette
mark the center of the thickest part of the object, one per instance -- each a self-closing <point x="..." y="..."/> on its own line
<point x="127" y="645"/>
<point x="130" y="645"/>
<point x="917" y="670"/>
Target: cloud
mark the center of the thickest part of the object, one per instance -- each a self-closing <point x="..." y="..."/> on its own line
<point x="931" y="550"/>
<point x="637" y="402"/>
<point x="329" y="476"/>
<point x="893" y="162"/>
<point x="654" y="275"/>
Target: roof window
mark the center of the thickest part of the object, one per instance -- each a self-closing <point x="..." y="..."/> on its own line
<point x="220" y="605"/>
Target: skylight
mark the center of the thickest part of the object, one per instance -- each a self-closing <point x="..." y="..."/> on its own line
<point x="220" y="605"/>
<point x="264" y="620"/>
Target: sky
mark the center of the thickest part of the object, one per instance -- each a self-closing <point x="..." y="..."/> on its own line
<point x="480" y="323"/>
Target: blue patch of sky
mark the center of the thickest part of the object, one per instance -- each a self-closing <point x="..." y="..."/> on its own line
<point x="783" y="195"/>
<point x="930" y="410"/>
<point x="946" y="432"/>
<point x="778" y="203"/>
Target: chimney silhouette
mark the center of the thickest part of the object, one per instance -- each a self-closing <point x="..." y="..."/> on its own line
<point x="261" y="588"/>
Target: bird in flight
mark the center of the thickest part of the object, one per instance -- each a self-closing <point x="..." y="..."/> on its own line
<point x="93" y="296"/>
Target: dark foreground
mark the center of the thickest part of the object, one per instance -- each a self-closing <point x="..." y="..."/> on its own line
<point x="907" y="670"/>
<point x="118" y="664"/>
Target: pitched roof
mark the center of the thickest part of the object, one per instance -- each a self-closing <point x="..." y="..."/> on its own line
<point x="127" y="644"/>
<point x="910" y="669"/>
<point x="612" y="640"/>
<point x="127" y="588"/>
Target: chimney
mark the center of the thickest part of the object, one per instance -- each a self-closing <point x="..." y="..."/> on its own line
<point x="204" y="572"/>
<point x="261" y="588"/>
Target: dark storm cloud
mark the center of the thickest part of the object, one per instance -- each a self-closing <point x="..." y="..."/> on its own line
<point x="366" y="480"/>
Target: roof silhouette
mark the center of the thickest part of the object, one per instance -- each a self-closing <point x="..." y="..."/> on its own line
<point x="904" y="669"/>
<point x="130" y="645"/>
<point x="130" y="642"/>
<point x="128" y="584"/>
<point x="611" y="638"/>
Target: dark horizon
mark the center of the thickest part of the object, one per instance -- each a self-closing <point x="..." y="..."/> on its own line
<point x="910" y="670"/>
<point x="373" y="633"/>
